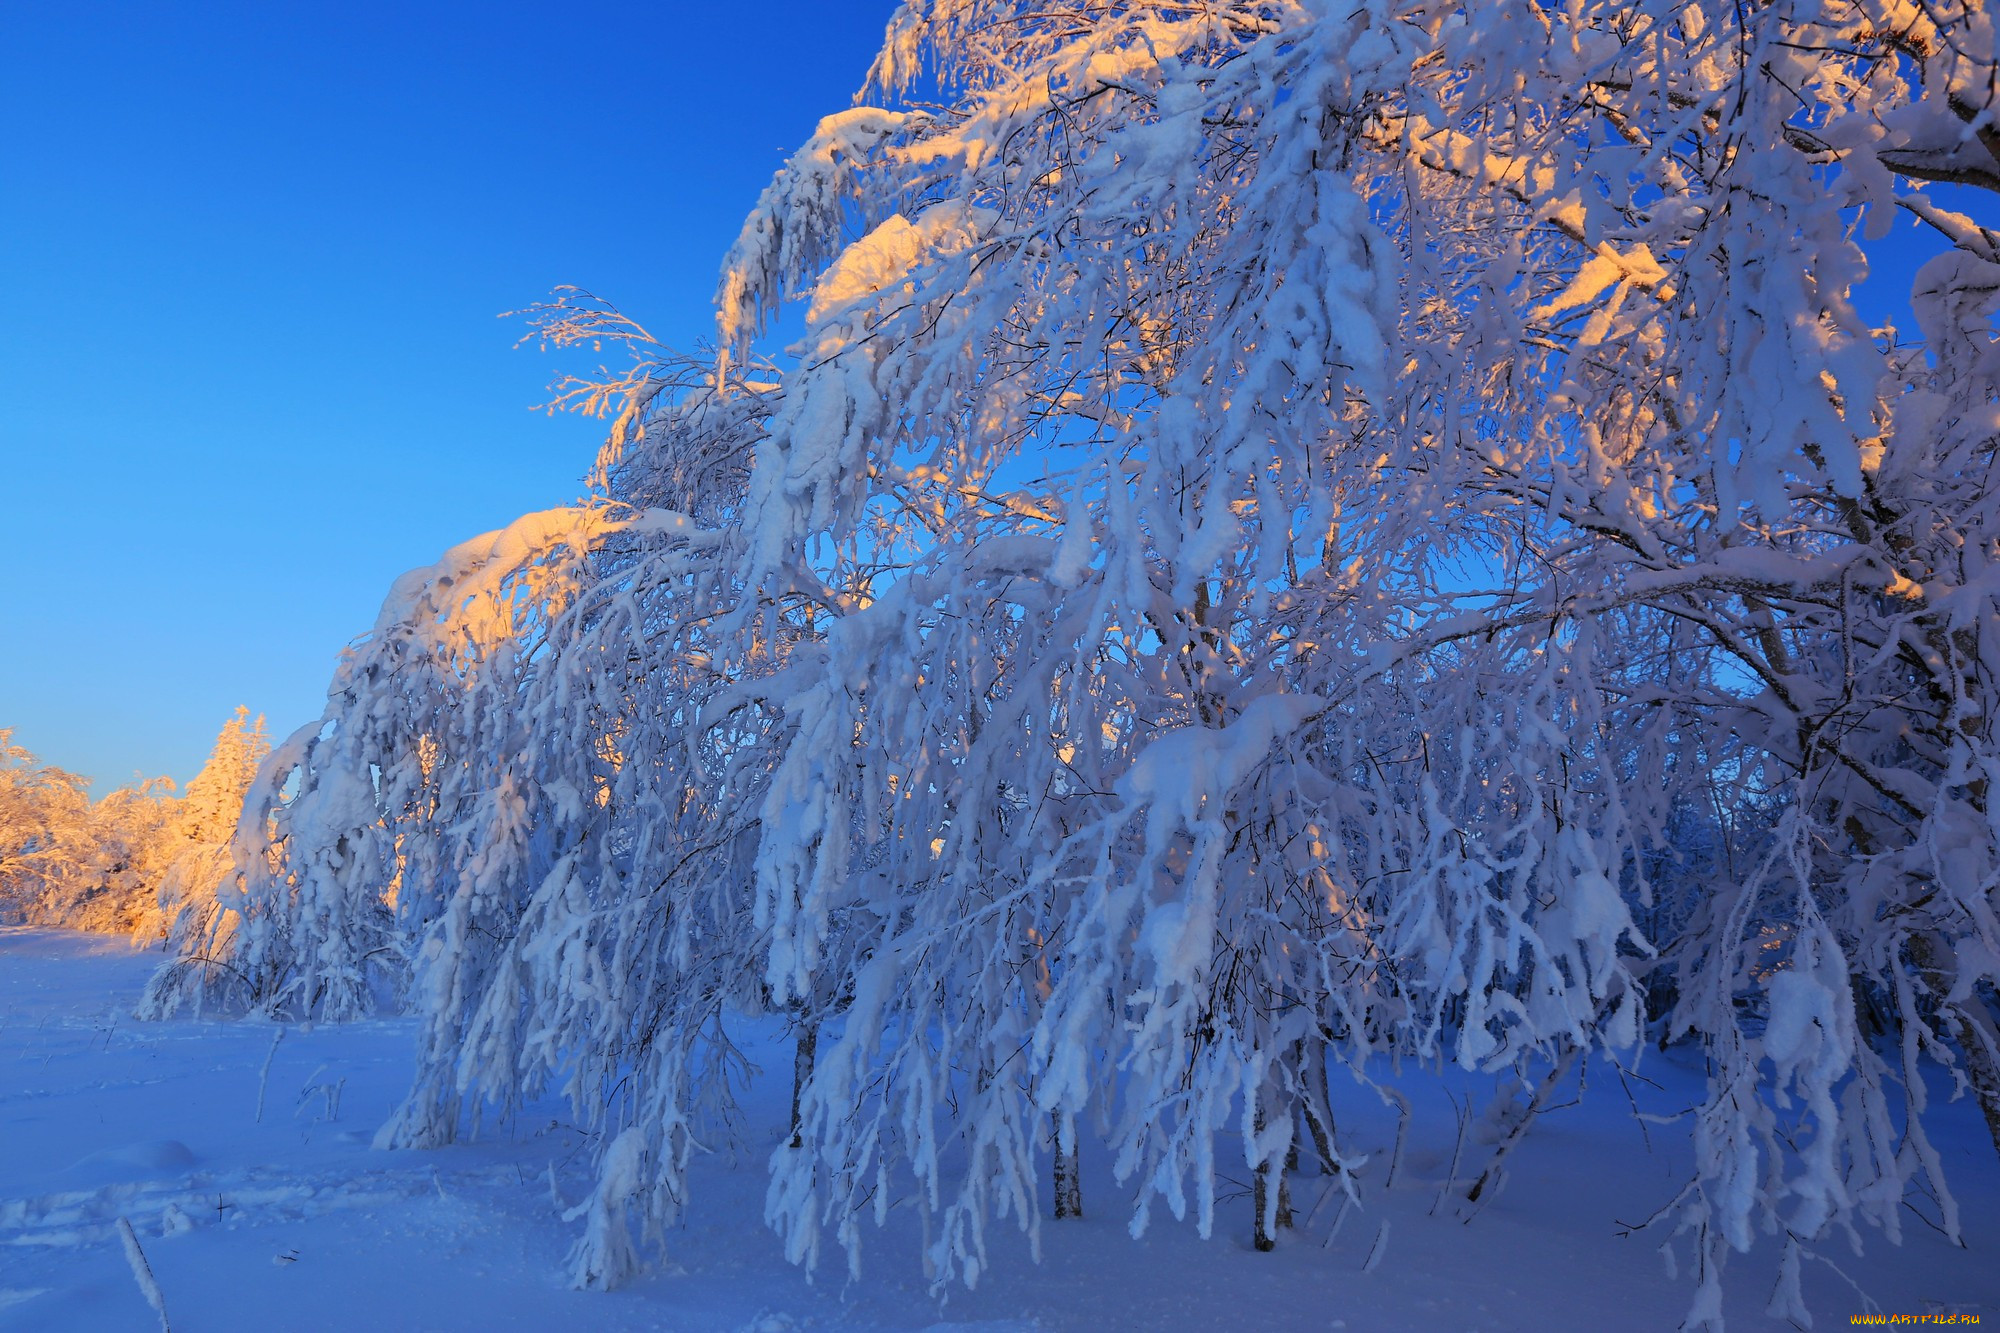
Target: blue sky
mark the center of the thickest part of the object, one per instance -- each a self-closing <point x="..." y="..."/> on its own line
<point x="250" y="368"/>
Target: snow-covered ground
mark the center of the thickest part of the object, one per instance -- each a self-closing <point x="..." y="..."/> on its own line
<point x="291" y="1221"/>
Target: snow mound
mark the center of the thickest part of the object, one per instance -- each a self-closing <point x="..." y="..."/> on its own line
<point x="155" y="1156"/>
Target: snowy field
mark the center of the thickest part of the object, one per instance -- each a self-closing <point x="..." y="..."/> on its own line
<point x="291" y="1220"/>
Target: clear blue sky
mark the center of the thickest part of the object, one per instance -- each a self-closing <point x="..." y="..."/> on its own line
<point x="250" y="261"/>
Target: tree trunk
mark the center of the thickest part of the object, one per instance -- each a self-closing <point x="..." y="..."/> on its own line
<point x="1318" y="1104"/>
<point x="1971" y="1025"/>
<point x="1869" y="1019"/>
<point x="1271" y="1221"/>
<point x="1267" y="1235"/>
<point x="1982" y="1059"/>
<point x="1068" y="1174"/>
<point x="802" y="1068"/>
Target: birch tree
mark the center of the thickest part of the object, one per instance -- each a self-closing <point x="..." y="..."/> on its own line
<point x="1282" y="519"/>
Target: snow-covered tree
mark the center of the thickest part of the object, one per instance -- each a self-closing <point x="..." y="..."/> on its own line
<point x="70" y="862"/>
<point x="122" y="845"/>
<point x="1294" y="533"/>
<point x="194" y="853"/>
<point x="1536" y="327"/>
<point x="40" y="807"/>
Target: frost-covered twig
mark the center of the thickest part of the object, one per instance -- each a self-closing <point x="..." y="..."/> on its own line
<point x="1495" y="1168"/>
<point x="264" y="1071"/>
<point x="142" y="1273"/>
<point x="1378" y="1249"/>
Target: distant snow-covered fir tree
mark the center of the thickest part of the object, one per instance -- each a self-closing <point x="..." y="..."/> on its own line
<point x="1294" y="534"/>
<point x="195" y="857"/>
